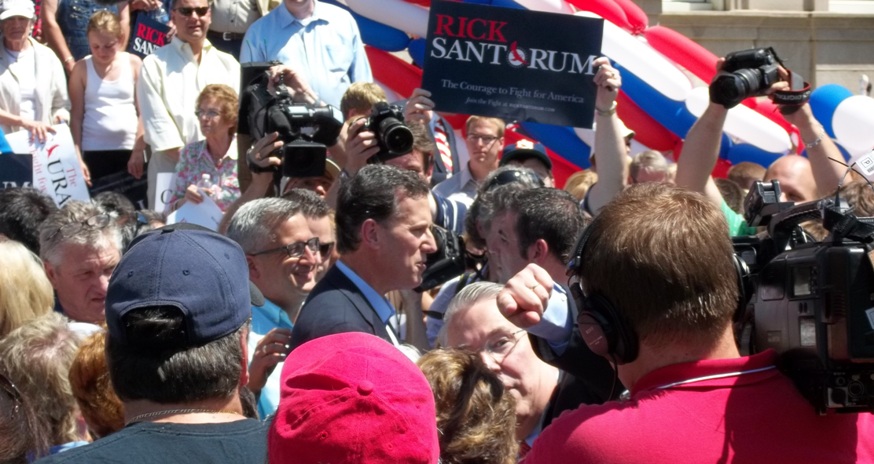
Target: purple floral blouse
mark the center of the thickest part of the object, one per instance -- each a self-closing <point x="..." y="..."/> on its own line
<point x="195" y="160"/>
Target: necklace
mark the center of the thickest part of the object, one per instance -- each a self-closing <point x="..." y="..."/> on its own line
<point x="169" y="412"/>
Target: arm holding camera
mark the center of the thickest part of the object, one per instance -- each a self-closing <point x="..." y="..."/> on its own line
<point x="298" y="87"/>
<point x="610" y="153"/>
<point x="820" y="147"/>
<point x="260" y="183"/>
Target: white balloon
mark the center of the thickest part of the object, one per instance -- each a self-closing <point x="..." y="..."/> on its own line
<point x="408" y="17"/>
<point x="853" y="124"/>
<point x="744" y="124"/>
<point x="643" y="61"/>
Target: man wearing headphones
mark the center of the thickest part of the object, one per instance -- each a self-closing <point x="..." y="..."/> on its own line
<point x="655" y="282"/>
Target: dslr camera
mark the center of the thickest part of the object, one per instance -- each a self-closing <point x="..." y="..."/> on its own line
<point x="747" y="73"/>
<point x="393" y="136"/>
<point x="812" y="302"/>
<point x="305" y="130"/>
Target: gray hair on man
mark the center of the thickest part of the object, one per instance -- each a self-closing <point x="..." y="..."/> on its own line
<point x="253" y="224"/>
<point x="77" y="223"/>
<point x="466" y="298"/>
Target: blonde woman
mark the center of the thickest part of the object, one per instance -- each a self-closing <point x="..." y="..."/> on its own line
<point x="25" y="291"/>
<point x="106" y="130"/>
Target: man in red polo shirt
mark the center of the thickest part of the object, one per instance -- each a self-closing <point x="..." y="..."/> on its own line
<point x="654" y="279"/>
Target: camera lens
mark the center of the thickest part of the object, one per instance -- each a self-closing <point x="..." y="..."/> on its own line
<point x="396" y="137"/>
<point x="730" y="89"/>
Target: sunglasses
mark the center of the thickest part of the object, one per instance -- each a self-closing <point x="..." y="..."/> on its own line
<point x="7" y="386"/>
<point x="188" y="10"/>
<point x="296" y="249"/>
<point x="98" y="221"/>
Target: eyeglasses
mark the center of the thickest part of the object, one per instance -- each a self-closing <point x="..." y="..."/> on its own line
<point x="325" y="250"/>
<point x="13" y="392"/>
<point x="500" y="348"/>
<point x="486" y="139"/>
<point x="208" y="114"/>
<point x="296" y="249"/>
<point x="98" y="221"/>
<point x="187" y="10"/>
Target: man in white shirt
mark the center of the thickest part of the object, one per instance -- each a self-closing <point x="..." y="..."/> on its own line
<point x="170" y="81"/>
<point x="485" y="140"/>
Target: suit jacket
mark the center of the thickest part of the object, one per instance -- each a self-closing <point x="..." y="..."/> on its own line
<point x="336" y="305"/>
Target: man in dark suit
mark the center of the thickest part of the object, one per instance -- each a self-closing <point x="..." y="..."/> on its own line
<point x="383" y="237"/>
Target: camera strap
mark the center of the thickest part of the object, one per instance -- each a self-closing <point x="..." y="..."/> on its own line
<point x="794" y="98"/>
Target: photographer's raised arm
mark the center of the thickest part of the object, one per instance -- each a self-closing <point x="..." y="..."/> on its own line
<point x="611" y="156"/>
<point x="820" y="147"/>
<point x="361" y="145"/>
<point x="699" y="154"/>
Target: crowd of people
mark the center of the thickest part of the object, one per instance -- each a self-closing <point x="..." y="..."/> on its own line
<point x="593" y="323"/>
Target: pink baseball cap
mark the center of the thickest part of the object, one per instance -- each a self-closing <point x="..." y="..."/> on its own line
<point x="353" y="398"/>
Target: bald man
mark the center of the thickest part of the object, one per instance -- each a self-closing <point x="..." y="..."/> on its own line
<point x="796" y="178"/>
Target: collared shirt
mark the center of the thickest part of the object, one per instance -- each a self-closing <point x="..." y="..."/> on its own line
<point x="378" y="302"/>
<point x="195" y="160"/>
<point x="169" y="85"/>
<point x="450" y="214"/>
<point x="233" y="15"/>
<point x="264" y="319"/>
<point x="461" y="187"/>
<point x="326" y="48"/>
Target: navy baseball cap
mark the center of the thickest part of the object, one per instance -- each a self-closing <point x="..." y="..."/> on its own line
<point x="193" y="269"/>
<point x="523" y="150"/>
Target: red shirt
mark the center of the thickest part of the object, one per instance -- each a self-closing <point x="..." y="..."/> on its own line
<point x="748" y="413"/>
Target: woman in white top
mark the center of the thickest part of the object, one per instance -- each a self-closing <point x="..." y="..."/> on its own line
<point x="33" y="92"/>
<point x="106" y="130"/>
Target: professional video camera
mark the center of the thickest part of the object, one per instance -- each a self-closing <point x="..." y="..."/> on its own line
<point x="813" y="301"/>
<point x="394" y="138"/>
<point x="305" y="130"/>
<point x="745" y="74"/>
<point x="450" y="260"/>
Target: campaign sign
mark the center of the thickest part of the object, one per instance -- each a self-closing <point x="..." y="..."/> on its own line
<point x="148" y="36"/>
<point x="514" y="64"/>
<point x="16" y="171"/>
<point x="56" y="168"/>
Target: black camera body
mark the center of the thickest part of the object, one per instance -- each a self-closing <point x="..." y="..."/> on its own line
<point x="814" y="302"/>
<point x="393" y="136"/>
<point x="305" y="130"/>
<point x="746" y="73"/>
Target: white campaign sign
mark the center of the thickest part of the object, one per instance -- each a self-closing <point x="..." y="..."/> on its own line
<point x="56" y="169"/>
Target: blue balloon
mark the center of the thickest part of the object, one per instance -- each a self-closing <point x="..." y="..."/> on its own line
<point x="562" y="140"/>
<point x="823" y="102"/>
<point x="416" y="49"/>
<point x="377" y="34"/>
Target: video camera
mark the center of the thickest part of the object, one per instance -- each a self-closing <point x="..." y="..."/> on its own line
<point x="813" y="302"/>
<point x="305" y="130"/>
<point x="450" y="260"/>
<point x="393" y="136"/>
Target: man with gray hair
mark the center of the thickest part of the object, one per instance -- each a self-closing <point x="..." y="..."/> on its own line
<point x="648" y="166"/>
<point x="80" y="245"/>
<point x="284" y="250"/>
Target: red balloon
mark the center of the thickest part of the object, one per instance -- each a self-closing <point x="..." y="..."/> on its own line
<point x="637" y="19"/>
<point x="683" y="51"/>
<point x="647" y="130"/>
<point x="607" y="9"/>
<point x="401" y="76"/>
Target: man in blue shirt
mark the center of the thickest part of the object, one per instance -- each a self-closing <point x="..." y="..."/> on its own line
<point x="284" y="254"/>
<point x="318" y="40"/>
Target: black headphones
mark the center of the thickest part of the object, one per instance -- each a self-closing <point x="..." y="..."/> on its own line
<point x="606" y="331"/>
